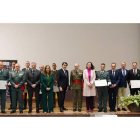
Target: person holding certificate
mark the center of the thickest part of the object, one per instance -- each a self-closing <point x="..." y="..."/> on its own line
<point x="134" y="74"/>
<point x="113" y="87"/>
<point x="17" y="80"/>
<point x="4" y="75"/>
<point x="102" y="90"/>
<point x="89" y="92"/>
<point x="47" y="82"/>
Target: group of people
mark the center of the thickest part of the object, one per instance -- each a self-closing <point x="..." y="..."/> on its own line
<point x="46" y="83"/>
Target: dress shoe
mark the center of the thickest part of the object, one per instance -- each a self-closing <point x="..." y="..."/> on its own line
<point x="9" y="108"/>
<point x="21" y="112"/>
<point x="65" y="109"/>
<point x="100" y="110"/>
<point x="79" y="110"/>
<point x="24" y="108"/>
<point x="111" y="110"/>
<point x="3" y="112"/>
<point x="61" y="110"/>
<point x="105" y="110"/>
<point x="118" y="109"/>
<point x="124" y="109"/>
<point x="74" y="110"/>
<point x="13" y="112"/>
<point x="37" y="111"/>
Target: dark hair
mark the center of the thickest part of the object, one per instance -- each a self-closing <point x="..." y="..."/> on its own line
<point x="113" y="63"/>
<point x="103" y="64"/>
<point x="45" y="72"/>
<point x="64" y="63"/>
<point x="92" y="66"/>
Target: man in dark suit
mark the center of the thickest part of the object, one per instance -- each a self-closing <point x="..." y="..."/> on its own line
<point x="27" y="68"/>
<point x="63" y="84"/>
<point x="4" y="76"/>
<point x="113" y="87"/>
<point x="134" y="74"/>
<point x="123" y="74"/>
<point x="33" y="86"/>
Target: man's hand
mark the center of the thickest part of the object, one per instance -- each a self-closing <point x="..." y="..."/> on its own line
<point x="61" y="89"/>
<point x="33" y="85"/>
<point x="16" y="86"/>
<point x="48" y="89"/>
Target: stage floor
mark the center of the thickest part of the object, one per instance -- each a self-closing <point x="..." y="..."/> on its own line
<point x="69" y="113"/>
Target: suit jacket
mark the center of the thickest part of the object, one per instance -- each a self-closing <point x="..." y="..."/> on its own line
<point x="123" y="78"/>
<point x="33" y="78"/>
<point x="131" y="76"/>
<point x="47" y="82"/>
<point x="114" y="78"/>
<point x="63" y="79"/>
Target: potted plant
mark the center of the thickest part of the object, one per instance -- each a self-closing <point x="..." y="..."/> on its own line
<point x="131" y="102"/>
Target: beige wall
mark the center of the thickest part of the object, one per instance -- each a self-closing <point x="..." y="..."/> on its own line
<point x="47" y="43"/>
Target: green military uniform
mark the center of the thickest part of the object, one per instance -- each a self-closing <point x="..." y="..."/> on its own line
<point x="102" y="91"/>
<point x="17" y="78"/>
<point x="47" y="96"/>
<point x="4" y="74"/>
<point x="76" y="82"/>
<point x="10" y="90"/>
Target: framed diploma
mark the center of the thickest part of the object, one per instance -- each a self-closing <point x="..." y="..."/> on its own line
<point x="135" y="83"/>
<point x="3" y="84"/>
<point x="100" y="83"/>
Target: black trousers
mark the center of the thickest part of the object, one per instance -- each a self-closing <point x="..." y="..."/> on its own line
<point x="25" y="100"/>
<point x="62" y="98"/>
<point x="89" y="102"/>
<point x="54" y="100"/>
<point x="134" y="91"/>
<point x="40" y="101"/>
<point x="112" y="97"/>
<point x="31" y="91"/>
<point x="3" y="99"/>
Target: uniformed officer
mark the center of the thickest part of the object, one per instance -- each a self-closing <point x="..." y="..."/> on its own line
<point x="4" y="74"/>
<point x="103" y="90"/>
<point x="17" y="80"/>
<point x="76" y="81"/>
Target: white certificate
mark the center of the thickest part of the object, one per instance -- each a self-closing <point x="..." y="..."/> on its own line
<point x="135" y="83"/>
<point x="55" y="89"/>
<point x="3" y="84"/>
<point x="100" y="83"/>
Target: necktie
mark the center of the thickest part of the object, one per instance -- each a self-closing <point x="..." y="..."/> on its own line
<point x="135" y="72"/>
<point x="123" y="72"/>
<point x="65" y="72"/>
<point x="113" y="73"/>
